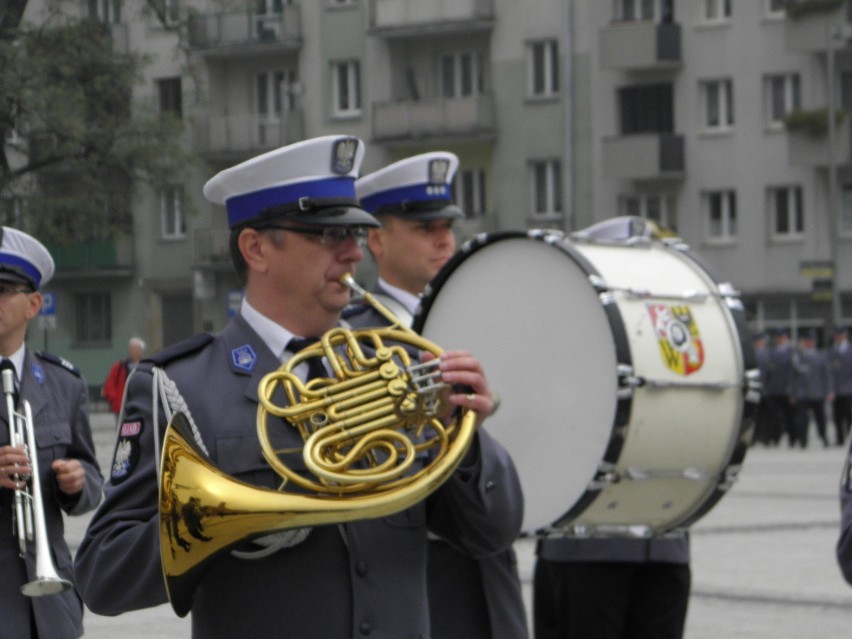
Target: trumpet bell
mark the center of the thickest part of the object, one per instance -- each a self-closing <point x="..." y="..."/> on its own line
<point x="43" y="586"/>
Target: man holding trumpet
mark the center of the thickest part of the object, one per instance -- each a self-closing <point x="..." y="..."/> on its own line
<point x="68" y="478"/>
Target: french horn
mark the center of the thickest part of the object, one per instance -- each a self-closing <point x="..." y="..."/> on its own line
<point x="366" y="430"/>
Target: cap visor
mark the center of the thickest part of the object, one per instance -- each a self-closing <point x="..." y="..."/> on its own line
<point x="349" y="216"/>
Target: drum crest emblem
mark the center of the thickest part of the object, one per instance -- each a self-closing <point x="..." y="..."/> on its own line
<point x="678" y="337"/>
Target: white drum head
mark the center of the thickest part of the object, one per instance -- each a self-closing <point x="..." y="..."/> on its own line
<point x="526" y="309"/>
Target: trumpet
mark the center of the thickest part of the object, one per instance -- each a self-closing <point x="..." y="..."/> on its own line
<point x="29" y="522"/>
<point x="362" y="428"/>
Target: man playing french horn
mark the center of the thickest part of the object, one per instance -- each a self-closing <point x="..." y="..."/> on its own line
<point x="319" y="567"/>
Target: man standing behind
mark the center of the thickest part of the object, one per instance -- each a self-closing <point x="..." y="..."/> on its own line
<point x="69" y="476"/>
<point x="812" y="386"/>
<point x="468" y="597"/>
<point x="840" y="357"/>
<point x="113" y="389"/>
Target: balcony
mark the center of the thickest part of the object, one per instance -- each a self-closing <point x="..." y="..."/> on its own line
<point x="808" y="24"/>
<point x="644" y="156"/>
<point x="399" y="18"/>
<point x="225" y="33"/>
<point x="95" y="258"/>
<point x="640" y="46"/>
<point x="211" y="247"/>
<point x="409" y="120"/>
<point x="247" y="133"/>
<point x="811" y="149"/>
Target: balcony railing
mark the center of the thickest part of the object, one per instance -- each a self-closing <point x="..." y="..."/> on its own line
<point x="812" y="150"/>
<point x="97" y="255"/>
<point x="210" y="246"/>
<point x="247" y="132"/>
<point x="245" y="28"/>
<point x="644" y="156"/>
<point x="640" y="45"/>
<point x="434" y="14"/>
<point x="439" y="117"/>
<point x="809" y="31"/>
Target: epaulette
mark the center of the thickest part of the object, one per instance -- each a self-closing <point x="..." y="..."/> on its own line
<point x="59" y="361"/>
<point x="181" y="349"/>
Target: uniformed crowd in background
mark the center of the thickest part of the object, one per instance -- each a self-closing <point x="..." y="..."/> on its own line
<point x="802" y="383"/>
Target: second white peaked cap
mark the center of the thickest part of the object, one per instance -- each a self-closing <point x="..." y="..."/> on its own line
<point x="419" y="187"/>
<point x="312" y="182"/>
<point x="24" y="259"/>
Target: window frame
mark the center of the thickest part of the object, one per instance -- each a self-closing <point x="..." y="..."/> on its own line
<point x="667" y="208"/>
<point x="722" y="104"/>
<point x="88" y="329"/>
<point x="792" y="97"/>
<point x="716" y="11"/>
<point x="173" y="216"/>
<point x="352" y="73"/>
<point x="723" y="201"/>
<point x="550" y="85"/>
<point x="551" y="194"/>
<point x="471" y="192"/>
<point x="794" y="206"/>
<point x="457" y="63"/>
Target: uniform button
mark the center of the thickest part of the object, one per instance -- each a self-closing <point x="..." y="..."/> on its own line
<point x="361" y="569"/>
<point x="489" y="484"/>
<point x="366" y="628"/>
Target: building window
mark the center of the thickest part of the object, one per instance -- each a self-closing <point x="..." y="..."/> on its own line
<point x="721" y="213"/>
<point x="346" y="88"/>
<point x="656" y="207"/>
<point x="470" y="192"/>
<point x="782" y="97"/>
<point x="775" y="8"/>
<point x="786" y="212"/>
<point x="717" y="10"/>
<point x="461" y="75"/>
<point x="546" y="187"/>
<point x="543" y="68"/>
<point x="718" y="97"/>
<point x="106" y="11"/>
<point x="94" y="318"/>
<point x="172" y="222"/>
<point x="12" y="212"/>
<point x="171" y="96"/>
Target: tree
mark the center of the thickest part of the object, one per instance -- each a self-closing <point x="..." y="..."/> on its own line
<point x="75" y="145"/>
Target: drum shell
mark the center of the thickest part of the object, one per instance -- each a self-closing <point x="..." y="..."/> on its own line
<point x="608" y="436"/>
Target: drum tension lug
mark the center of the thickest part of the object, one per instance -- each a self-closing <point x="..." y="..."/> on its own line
<point x="626" y="378"/>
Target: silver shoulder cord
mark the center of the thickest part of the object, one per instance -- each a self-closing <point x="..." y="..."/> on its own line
<point x="165" y="392"/>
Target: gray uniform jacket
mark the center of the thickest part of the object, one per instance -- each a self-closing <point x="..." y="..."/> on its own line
<point x="59" y="400"/>
<point x="812" y="379"/>
<point x="354" y="580"/>
<point x="844" y="543"/>
<point x="779" y="374"/>
<point x="498" y="573"/>
<point x="841" y="370"/>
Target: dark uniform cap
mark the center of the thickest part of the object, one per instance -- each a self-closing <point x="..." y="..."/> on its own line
<point x="807" y="333"/>
<point x="781" y="332"/>
<point x="311" y="182"/>
<point x="416" y="188"/>
<point x="23" y="259"/>
<point x="841" y="330"/>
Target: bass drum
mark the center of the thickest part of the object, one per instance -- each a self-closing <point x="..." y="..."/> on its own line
<point x="626" y="375"/>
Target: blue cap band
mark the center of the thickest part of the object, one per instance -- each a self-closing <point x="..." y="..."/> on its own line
<point x="17" y="262"/>
<point x="415" y="193"/>
<point x="242" y="208"/>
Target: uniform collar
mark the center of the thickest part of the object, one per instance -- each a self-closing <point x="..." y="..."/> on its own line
<point x="409" y="301"/>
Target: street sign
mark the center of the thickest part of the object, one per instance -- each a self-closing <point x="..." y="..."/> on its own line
<point x="48" y="304"/>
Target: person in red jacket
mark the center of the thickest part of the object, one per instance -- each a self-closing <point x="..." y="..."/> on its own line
<point x="113" y="389"/>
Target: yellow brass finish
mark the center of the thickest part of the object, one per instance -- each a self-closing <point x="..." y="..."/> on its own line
<point x="365" y="429"/>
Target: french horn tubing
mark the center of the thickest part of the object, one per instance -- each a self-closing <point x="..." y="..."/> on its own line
<point x="375" y="442"/>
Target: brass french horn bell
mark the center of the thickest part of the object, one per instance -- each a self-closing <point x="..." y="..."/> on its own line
<point x="364" y="429"/>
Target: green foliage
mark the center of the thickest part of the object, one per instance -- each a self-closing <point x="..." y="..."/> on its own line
<point x="798" y="8"/>
<point x="81" y="145"/>
<point x="813" y="123"/>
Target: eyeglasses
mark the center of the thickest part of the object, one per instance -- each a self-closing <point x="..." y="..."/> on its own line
<point x="7" y="290"/>
<point x="330" y="236"/>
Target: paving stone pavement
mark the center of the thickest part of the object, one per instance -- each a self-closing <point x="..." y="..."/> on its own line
<point x="763" y="561"/>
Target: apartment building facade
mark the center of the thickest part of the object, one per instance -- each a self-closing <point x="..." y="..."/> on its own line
<point x="563" y="113"/>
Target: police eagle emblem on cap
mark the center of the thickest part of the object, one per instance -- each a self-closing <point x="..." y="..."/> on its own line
<point x="343" y="155"/>
<point x="438" y="170"/>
